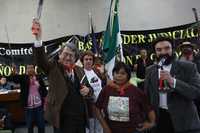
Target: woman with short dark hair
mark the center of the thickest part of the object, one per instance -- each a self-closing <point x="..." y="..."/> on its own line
<point x="125" y="106"/>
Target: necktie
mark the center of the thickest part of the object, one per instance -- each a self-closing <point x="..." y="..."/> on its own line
<point x="71" y="76"/>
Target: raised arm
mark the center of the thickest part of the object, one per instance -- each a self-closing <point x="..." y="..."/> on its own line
<point x="38" y="49"/>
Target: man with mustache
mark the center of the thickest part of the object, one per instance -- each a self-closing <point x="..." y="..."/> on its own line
<point x="171" y="86"/>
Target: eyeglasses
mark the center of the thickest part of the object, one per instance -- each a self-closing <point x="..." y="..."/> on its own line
<point x="70" y="55"/>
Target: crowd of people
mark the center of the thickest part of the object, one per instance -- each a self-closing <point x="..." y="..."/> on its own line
<point x="156" y="97"/>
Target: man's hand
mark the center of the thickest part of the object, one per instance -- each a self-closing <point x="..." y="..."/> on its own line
<point x="145" y="126"/>
<point x="165" y="75"/>
<point x="36" y="29"/>
<point x="84" y="90"/>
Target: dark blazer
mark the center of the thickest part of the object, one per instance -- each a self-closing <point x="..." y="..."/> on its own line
<point x="59" y="85"/>
<point x="179" y="99"/>
<point x="197" y="62"/>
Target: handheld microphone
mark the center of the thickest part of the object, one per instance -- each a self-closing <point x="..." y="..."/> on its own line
<point x="162" y="83"/>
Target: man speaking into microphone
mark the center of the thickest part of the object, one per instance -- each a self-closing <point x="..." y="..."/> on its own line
<point x="171" y="86"/>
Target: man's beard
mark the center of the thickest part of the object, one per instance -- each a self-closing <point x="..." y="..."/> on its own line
<point x="165" y="58"/>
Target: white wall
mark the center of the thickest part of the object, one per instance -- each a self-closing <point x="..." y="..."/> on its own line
<point x="153" y="14"/>
<point x="66" y="17"/>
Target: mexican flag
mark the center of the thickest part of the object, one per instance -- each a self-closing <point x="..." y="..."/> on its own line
<point x="112" y="39"/>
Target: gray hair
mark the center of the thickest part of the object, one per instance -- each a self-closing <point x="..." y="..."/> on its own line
<point x="72" y="47"/>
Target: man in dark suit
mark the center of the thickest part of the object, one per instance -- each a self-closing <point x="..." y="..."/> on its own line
<point x="66" y="105"/>
<point x="172" y="86"/>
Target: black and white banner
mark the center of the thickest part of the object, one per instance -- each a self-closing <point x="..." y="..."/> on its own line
<point x="132" y="41"/>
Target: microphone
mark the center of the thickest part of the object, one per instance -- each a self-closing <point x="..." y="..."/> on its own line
<point x="163" y="84"/>
<point x="161" y="62"/>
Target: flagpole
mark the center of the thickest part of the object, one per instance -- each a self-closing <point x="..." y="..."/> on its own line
<point x="197" y="20"/>
<point x="95" y="47"/>
<point x="89" y="26"/>
<point x="195" y="14"/>
<point x="90" y="22"/>
<point x="9" y="45"/>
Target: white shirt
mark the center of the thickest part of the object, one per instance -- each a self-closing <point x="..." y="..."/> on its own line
<point x="163" y="95"/>
<point x="38" y="43"/>
<point x="94" y="81"/>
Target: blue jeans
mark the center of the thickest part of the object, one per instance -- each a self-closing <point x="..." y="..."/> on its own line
<point x="35" y="115"/>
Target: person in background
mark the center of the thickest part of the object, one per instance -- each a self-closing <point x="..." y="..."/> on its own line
<point x="99" y="65"/>
<point x="5" y="116"/>
<point x="6" y="121"/>
<point x="14" y="77"/>
<point x="141" y="63"/>
<point x="125" y="107"/>
<point x="188" y="54"/>
<point x="93" y="78"/>
<point x="4" y="84"/>
<point x="135" y="80"/>
<point x="33" y="93"/>
<point x="171" y="86"/>
<point x="66" y="107"/>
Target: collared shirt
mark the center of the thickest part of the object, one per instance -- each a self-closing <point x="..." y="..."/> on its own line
<point x="38" y="43"/>
<point x="163" y="95"/>
<point x="71" y="75"/>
